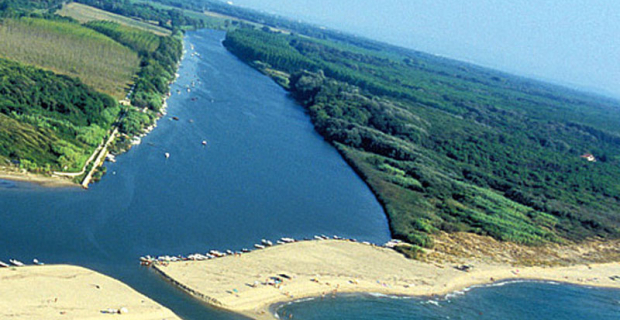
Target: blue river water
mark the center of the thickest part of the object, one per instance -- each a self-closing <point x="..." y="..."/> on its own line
<point x="265" y="173"/>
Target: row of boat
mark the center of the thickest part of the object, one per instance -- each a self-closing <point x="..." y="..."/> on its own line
<point x="213" y="254"/>
<point x="17" y="263"/>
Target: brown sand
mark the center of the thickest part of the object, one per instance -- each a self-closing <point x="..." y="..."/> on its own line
<point x="45" y="181"/>
<point x="325" y="267"/>
<point x="69" y="292"/>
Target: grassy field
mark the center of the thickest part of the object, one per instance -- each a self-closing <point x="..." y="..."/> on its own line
<point x="70" y="49"/>
<point x="84" y="13"/>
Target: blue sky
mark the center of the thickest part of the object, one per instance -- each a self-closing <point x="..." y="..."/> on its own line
<point x="573" y="42"/>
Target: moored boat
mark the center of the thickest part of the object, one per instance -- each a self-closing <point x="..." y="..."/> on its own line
<point x="3" y="265"/>
<point x="16" y="263"/>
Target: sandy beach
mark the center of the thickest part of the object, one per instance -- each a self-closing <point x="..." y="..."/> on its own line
<point x="69" y="292"/>
<point x="44" y="181"/>
<point x="244" y="283"/>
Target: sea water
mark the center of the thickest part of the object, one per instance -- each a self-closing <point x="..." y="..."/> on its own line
<point x="264" y="173"/>
<point x="515" y="300"/>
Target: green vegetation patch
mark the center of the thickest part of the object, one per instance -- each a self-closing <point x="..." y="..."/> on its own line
<point x="450" y="146"/>
<point x="49" y="121"/>
<point x="143" y="42"/>
<point x="70" y="49"/>
<point x="84" y="14"/>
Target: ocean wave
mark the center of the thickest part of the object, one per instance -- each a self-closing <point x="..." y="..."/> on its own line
<point x="455" y="294"/>
<point x="388" y="296"/>
<point x="303" y="300"/>
<point x="433" y="302"/>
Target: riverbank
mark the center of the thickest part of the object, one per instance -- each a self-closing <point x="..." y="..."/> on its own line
<point x="45" y="181"/>
<point x="250" y="283"/>
<point x="70" y="292"/>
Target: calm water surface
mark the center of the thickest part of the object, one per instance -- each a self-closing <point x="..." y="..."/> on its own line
<point x="264" y="174"/>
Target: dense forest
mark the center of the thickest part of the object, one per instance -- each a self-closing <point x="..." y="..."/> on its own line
<point x="50" y="122"/>
<point x="450" y="146"/>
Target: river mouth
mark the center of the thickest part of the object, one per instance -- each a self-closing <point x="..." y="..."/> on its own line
<point x="263" y="173"/>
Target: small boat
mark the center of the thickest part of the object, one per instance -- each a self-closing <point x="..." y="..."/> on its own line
<point x="167" y="155"/>
<point x="318" y="238"/>
<point x="3" y="265"/>
<point x="175" y="118"/>
<point x="216" y="253"/>
<point x="229" y="252"/>
<point x="287" y="240"/>
<point x="189" y="90"/>
<point x="259" y="246"/>
<point x="245" y="250"/>
<point x="266" y="243"/>
<point x="204" y="142"/>
<point x="37" y="262"/>
<point x="16" y="263"/>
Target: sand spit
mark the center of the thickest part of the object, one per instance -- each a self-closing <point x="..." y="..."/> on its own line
<point x="251" y="282"/>
<point x="69" y="292"/>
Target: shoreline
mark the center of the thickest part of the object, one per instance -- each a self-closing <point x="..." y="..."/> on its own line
<point x="268" y="311"/>
<point x="244" y="284"/>
<point x="38" y="179"/>
<point x="57" y="181"/>
<point x="72" y="292"/>
<point x="273" y="308"/>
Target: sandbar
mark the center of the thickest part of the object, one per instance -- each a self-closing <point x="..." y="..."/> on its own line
<point x="244" y="283"/>
<point x="70" y="292"/>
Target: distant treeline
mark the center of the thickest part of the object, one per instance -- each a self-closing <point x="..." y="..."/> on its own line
<point x="168" y="18"/>
<point x="450" y="146"/>
<point x="12" y="8"/>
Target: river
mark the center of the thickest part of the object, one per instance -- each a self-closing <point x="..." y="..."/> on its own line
<point x="264" y="173"/>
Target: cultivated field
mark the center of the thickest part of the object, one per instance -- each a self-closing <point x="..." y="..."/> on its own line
<point x="70" y="49"/>
<point x="84" y="13"/>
